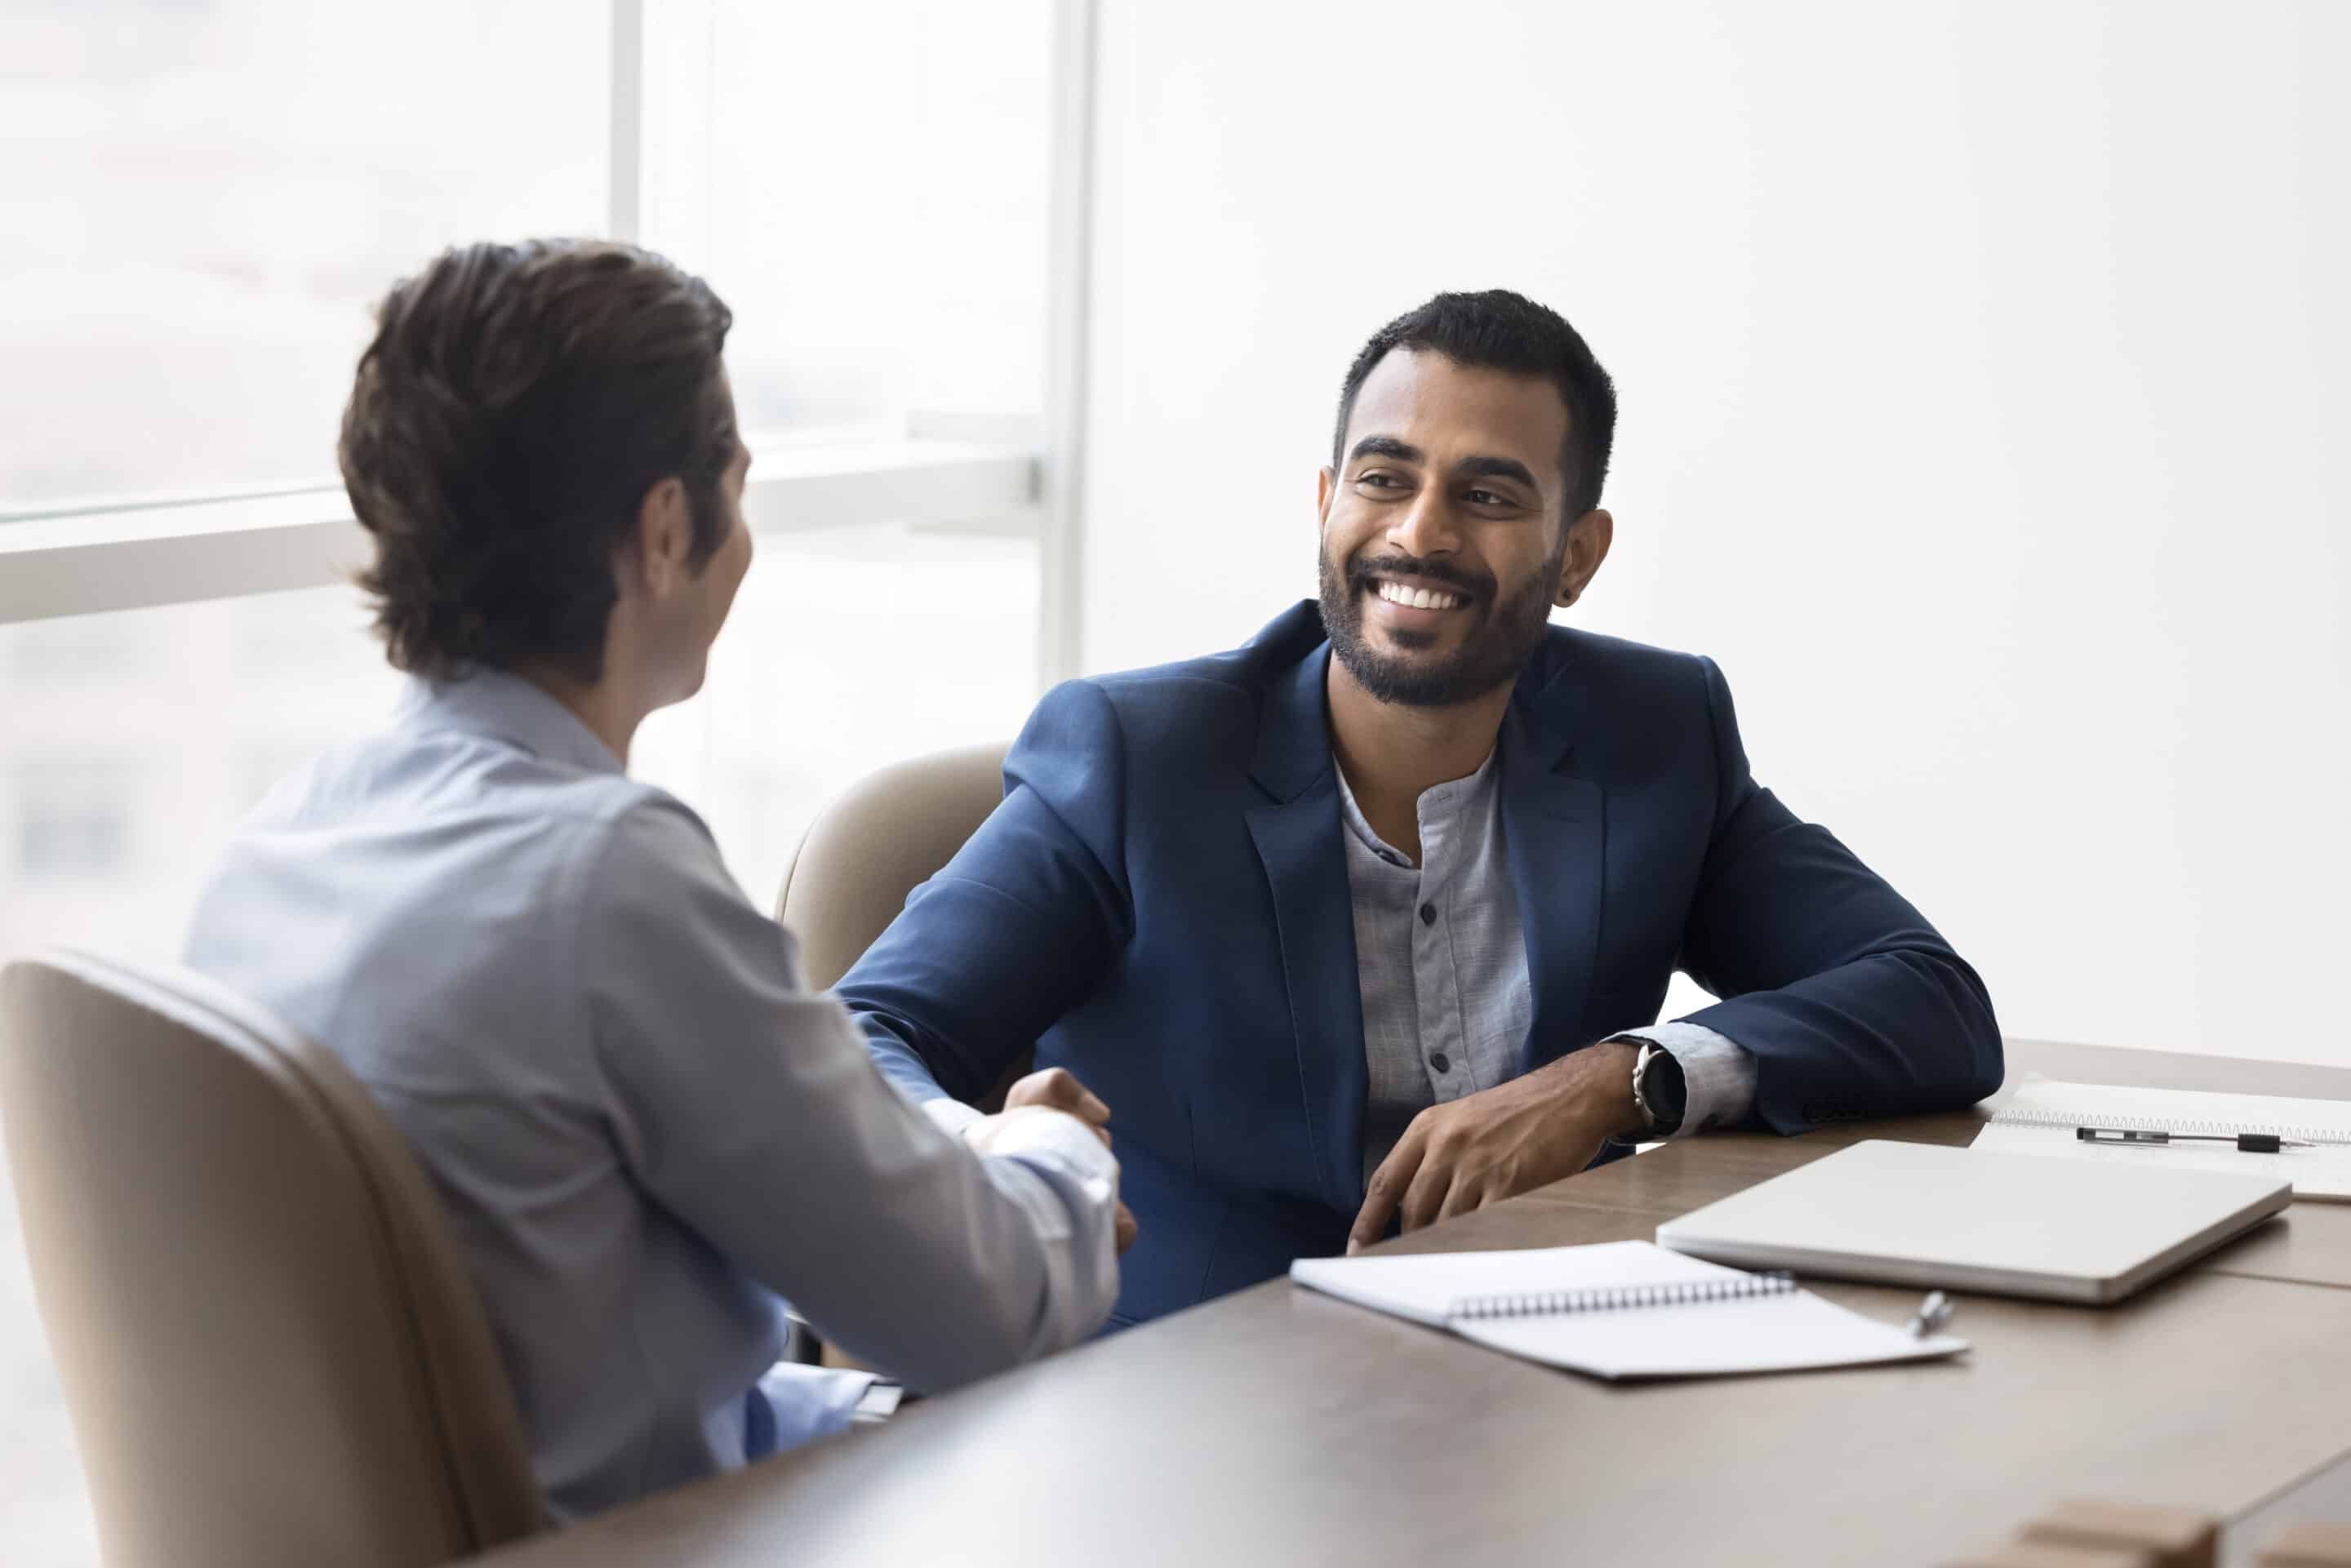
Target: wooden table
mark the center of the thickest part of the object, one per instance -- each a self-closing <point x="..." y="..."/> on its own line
<point x="1277" y="1425"/>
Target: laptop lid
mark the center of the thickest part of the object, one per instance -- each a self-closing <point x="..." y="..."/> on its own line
<point x="1972" y="1219"/>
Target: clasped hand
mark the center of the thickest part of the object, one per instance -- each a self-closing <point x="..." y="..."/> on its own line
<point x="1499" y="1142"/>
<point x="1053" y="1090"/>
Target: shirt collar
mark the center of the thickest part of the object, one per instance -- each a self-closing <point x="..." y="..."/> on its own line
<point x="508" y="706"/>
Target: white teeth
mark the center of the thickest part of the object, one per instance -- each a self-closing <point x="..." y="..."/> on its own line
<point x="1417" y="598"/>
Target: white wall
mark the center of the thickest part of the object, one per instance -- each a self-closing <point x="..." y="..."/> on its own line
<point x="1983" y="375"/>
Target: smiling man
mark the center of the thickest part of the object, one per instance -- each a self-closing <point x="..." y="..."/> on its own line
<point x="1367" y="923"/>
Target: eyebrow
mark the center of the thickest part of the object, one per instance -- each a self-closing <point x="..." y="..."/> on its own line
<point x="1468" y="468"/>
<point x="1385" y="446"/>
<point x="1499" y="468"/>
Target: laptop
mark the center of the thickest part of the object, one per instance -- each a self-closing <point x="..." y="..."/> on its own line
<point x="1972" y="1219"/>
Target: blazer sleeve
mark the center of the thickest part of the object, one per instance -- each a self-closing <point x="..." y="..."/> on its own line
<point x="1852" y="1005"/>
<point x="1020" y="925"/>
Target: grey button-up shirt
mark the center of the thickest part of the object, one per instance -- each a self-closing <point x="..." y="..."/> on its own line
<point x="1441" y="968"/>
<point x="646" y="1132"/>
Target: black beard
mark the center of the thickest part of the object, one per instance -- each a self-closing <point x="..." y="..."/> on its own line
<point x="1496" y="649"/>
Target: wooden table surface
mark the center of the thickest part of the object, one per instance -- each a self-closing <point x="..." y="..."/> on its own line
<point x="1279" y="1426"/>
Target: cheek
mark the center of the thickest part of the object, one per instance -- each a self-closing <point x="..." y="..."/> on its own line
<point x="1342" y="536"/>
<point x="738" y="550"/>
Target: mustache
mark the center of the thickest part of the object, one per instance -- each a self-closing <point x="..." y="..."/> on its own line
<point x="1423" y="573"/>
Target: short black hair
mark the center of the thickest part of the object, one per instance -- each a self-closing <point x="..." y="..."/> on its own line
<point x="515" y="406"/>
<point x="1496" y="330"/>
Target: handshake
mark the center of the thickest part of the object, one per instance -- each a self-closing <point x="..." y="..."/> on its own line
<point x="1044" y="1093"/>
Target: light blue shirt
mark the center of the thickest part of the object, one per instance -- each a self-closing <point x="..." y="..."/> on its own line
<point x="646" y="1132"/>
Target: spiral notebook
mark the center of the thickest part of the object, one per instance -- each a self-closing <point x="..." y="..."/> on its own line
<point x="1620" y="1309"/>
<point x="2041" y="1117"/>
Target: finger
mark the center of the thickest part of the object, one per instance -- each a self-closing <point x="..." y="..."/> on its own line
<point x="1427" y="1195"/>
<point x="1382" y="1193"/>
<point x="1463" y="1197"/>
<point x="1125" y="1230"/>
<point x="1042" y="1088"/>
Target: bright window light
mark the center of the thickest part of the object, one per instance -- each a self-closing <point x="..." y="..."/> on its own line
<point x="204" y="200"/>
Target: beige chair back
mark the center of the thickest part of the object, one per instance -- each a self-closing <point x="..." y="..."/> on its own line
<point x="876" y="845"/>
<point x="268" y="1343"/>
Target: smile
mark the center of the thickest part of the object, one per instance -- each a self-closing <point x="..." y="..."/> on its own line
<point x="1419" y="598"/>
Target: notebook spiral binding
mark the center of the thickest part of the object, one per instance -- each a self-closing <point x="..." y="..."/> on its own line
<point x="1622" y="1298"/>
<point x="2070" y="1120"/>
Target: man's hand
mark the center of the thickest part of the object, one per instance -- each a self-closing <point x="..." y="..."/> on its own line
<point x="1057" y="1089"/>
<point x="1499" y="1142"/>
<point x="1054" y="1089"/>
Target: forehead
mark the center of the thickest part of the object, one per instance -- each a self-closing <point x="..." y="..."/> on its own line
<point x="1452" y="410"/>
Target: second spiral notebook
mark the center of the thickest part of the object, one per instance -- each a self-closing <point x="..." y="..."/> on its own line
<point x="1620" y="1309"/>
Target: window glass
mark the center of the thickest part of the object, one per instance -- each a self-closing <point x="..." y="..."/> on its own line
<point x="204" y="200"/>
<point x="136" y="740"/>
<point x="867" y="186"/>
<point x="846" y="650"/>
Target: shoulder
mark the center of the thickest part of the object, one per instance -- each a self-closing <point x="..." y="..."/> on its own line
<point x="1239" y="673"/>
<point x="644" y="843"/>
<point x="1571" y="664"/>
<point x="1191" y="701"/>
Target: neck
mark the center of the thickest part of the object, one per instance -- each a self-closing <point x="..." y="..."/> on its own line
<point x="604" y="707"/>
<point x="1392" y="752"/>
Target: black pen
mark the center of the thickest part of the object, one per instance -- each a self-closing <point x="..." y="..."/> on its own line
<point x="2248" y="1142"/>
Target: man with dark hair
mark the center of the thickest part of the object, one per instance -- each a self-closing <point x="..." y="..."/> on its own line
<point x="1365" y="924"/>
<point x="647" y="1131"/>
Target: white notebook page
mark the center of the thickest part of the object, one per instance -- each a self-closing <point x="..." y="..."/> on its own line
<point x="1762" y="1334"/>
<point x="2041" y="1117"/>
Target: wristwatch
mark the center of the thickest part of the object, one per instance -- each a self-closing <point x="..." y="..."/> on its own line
<point x="1658" y="1091"/>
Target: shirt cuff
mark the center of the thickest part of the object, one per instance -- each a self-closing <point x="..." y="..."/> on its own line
<point x="951" y="1115"/>
<point x="1717" y="1073"/>
<point x="1058" y="1142"/>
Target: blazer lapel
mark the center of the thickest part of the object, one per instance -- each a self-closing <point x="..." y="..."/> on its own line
<point x="1555" y="826"/>
<point x="1297" y="836"/>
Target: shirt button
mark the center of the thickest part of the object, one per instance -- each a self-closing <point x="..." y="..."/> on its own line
<point x="1428" y="915"/>
<point x="1442" y="1063"/>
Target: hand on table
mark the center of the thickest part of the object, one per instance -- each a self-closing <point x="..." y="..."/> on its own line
<point x="1500" y="1142"/>
<point x="1040" y="1093"/>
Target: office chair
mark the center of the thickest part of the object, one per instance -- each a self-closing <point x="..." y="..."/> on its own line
<point x="868" y="850"/>
<point x="269" y="1346"/>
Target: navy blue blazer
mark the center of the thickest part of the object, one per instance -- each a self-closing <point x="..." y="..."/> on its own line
<point x="1161" y="905"/>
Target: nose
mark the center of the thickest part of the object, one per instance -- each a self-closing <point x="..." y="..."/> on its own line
<point x="1427" y="526"/>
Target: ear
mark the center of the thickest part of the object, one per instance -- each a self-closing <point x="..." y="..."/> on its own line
<point x="1326" y="485"/>
<point x="1588" y="539"/>
<point x="664" y="539"/>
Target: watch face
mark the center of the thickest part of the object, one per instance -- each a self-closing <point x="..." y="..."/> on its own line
<point x="1663" y="1092"/>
